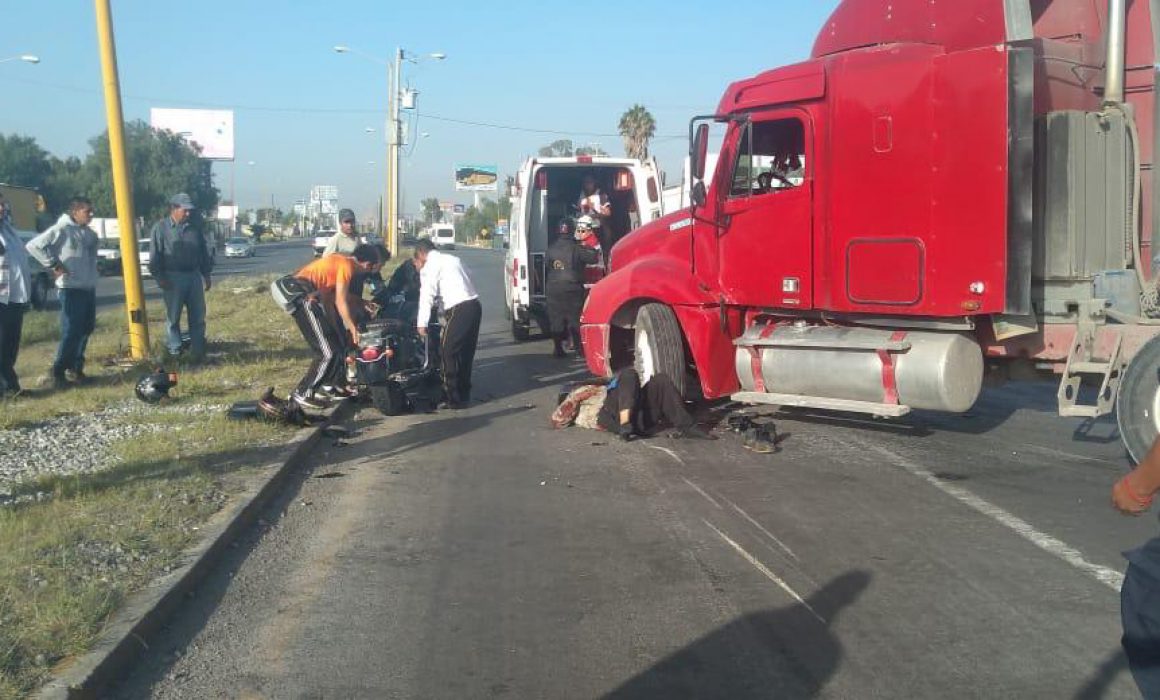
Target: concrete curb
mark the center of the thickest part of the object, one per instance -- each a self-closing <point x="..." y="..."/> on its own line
<point x="132" y="627"/>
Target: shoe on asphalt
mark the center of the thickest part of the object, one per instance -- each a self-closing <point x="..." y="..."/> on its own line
<point x="626" y="433"/>
<point x="334" y="393"/>
<point x="758" y="439"/>
<point x="693" y="432"/>
<point x="452" y="405"/>
<point x="312" y="403"/>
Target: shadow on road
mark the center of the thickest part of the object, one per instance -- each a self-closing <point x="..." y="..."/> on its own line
<point x="785" y="653"/>
<point x="430" y="432"/>
<point x="1097" y="686"/>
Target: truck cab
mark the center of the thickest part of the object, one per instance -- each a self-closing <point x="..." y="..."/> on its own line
<point x="547" y="190"/>
<point x="932" y="195"/>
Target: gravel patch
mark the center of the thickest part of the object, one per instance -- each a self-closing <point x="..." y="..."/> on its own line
<point x="78" y="444"/>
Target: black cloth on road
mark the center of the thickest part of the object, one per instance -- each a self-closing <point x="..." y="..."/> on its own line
<point x="11" y="326"/>
<point x="460" y="336"/>
<point x="655" y="403"/>
<point x="1140" y="616"/>
<point x="324" y="339"/>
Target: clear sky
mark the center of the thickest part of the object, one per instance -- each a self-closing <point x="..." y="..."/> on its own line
<point x="302" y="110"/>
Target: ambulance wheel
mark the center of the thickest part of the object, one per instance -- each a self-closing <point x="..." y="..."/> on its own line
<point x="389" y="399"/>
<point x="1138" y="404"/>
<point x="658" y="345"/>
<point x="520" y="332"/>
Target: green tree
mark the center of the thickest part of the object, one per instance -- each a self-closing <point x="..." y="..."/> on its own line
<point x="432" y="212"/>
<point x="23" y="162"/>
<point x="560" y="148"/>
<point x="637" y="126"/>
<point x="593" y="150"/>
<point x="162" y="164"/>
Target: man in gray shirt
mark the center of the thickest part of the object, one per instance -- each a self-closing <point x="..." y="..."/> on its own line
<point x="180" y="261"/>
<point x="69" y="249"/>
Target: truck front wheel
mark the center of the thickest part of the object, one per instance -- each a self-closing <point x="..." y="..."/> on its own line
<point x="1138" y="403"/>
<point x="658" y="348"/>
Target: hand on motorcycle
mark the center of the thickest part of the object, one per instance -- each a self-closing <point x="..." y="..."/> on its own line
<point x="354" y="335"/>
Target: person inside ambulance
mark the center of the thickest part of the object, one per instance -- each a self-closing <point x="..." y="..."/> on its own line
<point x="593" y="202"/>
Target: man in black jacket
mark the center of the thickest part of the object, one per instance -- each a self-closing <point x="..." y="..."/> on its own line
<point x="566" y="262"/>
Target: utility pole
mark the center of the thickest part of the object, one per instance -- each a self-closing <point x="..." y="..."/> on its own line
<point x="134" y="298"/>
<point x="393" y="157"/>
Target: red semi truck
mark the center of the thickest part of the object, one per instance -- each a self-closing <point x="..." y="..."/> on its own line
<point x="944" y="190"/>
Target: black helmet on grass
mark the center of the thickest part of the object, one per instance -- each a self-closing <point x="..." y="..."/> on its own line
<point x="155" y="386"/>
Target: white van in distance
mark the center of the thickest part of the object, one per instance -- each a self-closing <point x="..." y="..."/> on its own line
<point x="443" y="236"/>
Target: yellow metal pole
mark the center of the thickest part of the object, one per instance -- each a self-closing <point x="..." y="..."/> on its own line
<point x="134" y="297"/>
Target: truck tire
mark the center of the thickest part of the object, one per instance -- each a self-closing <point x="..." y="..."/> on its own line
<point x="1138" y="403"/>
<point x="658" y="345"/>
<point x="389" y="399"/>
<point x="520" y="332"/>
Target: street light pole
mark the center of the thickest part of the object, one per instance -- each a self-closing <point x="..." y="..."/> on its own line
<point x="134" y="296"/>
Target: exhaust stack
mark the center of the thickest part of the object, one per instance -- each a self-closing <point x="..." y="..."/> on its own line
<point x="1114" y="66"/>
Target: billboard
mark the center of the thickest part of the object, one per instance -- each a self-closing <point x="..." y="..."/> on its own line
<point x="476" y="178"/>
<point x="210" y="129"/>
<point x="460" y="208"/>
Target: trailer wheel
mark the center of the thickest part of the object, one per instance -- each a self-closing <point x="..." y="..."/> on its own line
<point x="520" y="332"/>
<point x="1138" y="403"/>
<point x="389" y="399"/>
<point x="658" y="346"/>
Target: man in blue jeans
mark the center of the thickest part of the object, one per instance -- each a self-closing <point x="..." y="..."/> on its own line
<point x="69" y="249"/>
<point x="180" y="261"/>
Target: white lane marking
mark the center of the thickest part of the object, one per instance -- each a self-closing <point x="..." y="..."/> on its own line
<point x="1060" y="453"/>
<point x="669" y="452"/>
<point x="764" y="570"/>
<point x="1109" y="577"/>
<point x="759" y="526"/>
<point x="557" y="377"/>
<point x="701" y="491"/>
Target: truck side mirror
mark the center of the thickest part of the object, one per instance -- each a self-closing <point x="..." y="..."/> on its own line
<point x="699" y="195"/>
<point x="699" y="151"/>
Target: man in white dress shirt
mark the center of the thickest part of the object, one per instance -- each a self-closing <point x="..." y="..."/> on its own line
<point x="443" y="277"/>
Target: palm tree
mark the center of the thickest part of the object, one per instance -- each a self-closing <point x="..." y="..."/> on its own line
<point x="637" y="126"/>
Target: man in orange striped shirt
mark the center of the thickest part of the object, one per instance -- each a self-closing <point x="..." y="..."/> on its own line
<point x="328" y="281"/>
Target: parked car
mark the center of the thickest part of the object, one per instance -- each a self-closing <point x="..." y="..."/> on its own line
<point x="143" y="256"/>
<point x="239" y="248"/>
<point x="43" y="285"/>
<point x="109" y="257"/>
<point x="321" y="240"/>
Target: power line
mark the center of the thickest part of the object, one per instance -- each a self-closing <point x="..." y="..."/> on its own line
<point x="334" y="110"/>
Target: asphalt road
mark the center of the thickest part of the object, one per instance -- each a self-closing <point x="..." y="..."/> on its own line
<point x="481" y="554"/>
<point x="284" y="257"/>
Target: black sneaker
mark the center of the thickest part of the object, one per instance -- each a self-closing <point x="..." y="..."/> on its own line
<point x="312" y="403"/>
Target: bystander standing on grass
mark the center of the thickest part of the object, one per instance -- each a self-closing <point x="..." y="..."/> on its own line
<point x="180" y="261"/>
<point x="15" y="293"/>
<point x="69" y="249"/>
